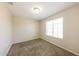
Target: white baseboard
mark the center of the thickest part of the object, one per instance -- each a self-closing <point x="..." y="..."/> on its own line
<point x="62" y="47"/>
<point x="24" y="41"/>
<point x="8" y="49"/>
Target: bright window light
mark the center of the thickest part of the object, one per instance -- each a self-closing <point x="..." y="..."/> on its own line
<point x="49" y="28"/>
<point x="55" y="28"/>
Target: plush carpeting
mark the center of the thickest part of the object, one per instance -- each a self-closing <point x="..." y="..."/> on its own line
<point x="37" y="47"/>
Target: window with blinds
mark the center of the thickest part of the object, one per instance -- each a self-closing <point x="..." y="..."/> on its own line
<point x="55" y="28"/>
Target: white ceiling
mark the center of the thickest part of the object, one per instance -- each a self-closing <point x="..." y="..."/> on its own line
<point x="24" y="9"/>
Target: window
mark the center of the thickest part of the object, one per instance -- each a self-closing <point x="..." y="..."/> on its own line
<point x="55" y="28"/>
<point x="49" y="28"/>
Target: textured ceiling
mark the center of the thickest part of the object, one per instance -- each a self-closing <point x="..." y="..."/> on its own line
<point x="24" y="9"/>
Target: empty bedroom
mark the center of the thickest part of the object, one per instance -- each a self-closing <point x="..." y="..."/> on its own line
<point x="39" y="29"/>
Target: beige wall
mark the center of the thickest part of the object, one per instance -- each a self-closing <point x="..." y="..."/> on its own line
<point x="5" y="29"/>
<point x="24" y="29"/>
<point x="71" y="30"/>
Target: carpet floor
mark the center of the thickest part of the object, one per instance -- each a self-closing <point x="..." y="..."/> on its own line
<point x="37" y="47"/>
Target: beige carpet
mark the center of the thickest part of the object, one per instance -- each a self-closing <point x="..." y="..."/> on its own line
<point x="37" y="47"/>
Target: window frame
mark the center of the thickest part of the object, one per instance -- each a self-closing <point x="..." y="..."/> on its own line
<point x="57" y="36"/>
